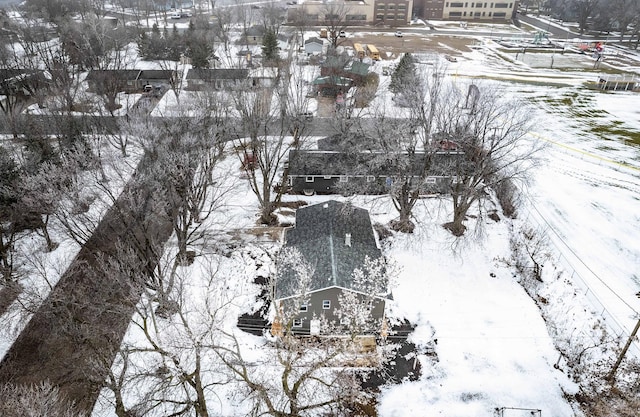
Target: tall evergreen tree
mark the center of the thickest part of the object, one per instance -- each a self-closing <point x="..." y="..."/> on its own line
<point x="270" y="46"/>
<point x="404" y="74"/>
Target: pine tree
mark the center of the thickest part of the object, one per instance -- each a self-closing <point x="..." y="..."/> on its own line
<point x="270" y="46"/>
<point x="404" y="74"/>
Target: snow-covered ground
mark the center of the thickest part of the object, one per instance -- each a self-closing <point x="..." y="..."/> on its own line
<point x="494" y="348"/>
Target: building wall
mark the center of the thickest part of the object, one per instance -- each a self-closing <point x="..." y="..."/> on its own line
<point x="479" y="10"/>
<point x="428" y="9"/>
<point x="355" y="12"/>
<point x="363" y="184"/>
<point x="393" y="12"/>
<point x="315" y="309"/>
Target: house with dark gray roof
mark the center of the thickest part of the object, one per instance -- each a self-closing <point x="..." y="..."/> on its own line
<point x="217" y="78"/>
<point x="369" y="171"/>
<point x="128" y="80"/>
<point x="334" y="239"/>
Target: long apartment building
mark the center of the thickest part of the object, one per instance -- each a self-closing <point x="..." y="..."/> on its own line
<point x="354" y="12"/>
<point x="400" y="12"/>
<point x="464" y="10"/>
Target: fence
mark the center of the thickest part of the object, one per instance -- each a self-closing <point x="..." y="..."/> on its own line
<point x="568" y="261"/>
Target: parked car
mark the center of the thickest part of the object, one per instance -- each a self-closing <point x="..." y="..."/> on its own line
<point x="451" y="58"/>
<point x="342" y="34"/>
<point x="399" y="34"/>
<point x="175" y="15"/>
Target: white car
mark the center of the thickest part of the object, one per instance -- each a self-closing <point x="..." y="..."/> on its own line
<point x="342" y="34"/>
<point x="175" y="16"/>
<point x="399" y="34"/>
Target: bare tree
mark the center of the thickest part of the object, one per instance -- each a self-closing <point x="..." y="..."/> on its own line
<point x="405" y="154"/>
<point x="35" y="400"/>
<point x="269" y="131"/>
<point x="496" y="148"/>
<point x="19" y="83"/>
<point x="296" y="375"/>
<point x="584" y="9"/>
<point x="335" y="17"/>
<point x="625" y="12"/>
<point x="175" y="335"/>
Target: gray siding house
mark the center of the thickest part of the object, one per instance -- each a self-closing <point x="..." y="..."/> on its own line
<point x="217" y="78"/>
<point x="368" y="172"/>
<point x="335" y="239"/>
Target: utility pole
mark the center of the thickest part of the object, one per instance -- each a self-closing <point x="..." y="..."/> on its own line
<point x="611" y="375"/>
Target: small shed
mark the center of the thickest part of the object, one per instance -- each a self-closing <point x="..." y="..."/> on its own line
<point x="255" y="34"/>
<point x="313" y="46"/>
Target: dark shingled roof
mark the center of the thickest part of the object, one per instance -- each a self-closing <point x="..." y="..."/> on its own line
<point x="120" y="74"/>
<point x="217" y="74"/>
<point x="320" y="236"/>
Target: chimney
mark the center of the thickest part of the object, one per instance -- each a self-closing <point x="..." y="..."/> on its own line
<point x="347" y="239"/>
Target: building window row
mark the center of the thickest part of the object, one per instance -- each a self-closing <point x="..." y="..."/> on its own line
<point x="479" y="5"/>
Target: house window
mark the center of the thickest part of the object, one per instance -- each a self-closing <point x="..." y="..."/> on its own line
<point x="390" y="17"/>
<point x="501" y="5"/>
<point x="304" y="308"/>
<point x="457" y="4"/>
<point x="297" y="323"/>
<point x="499" y="14"/>
<point x="326" y="304"/>
<point x="455" y="14"/>
<point x="379" y="16"/>
<point x="308" y="179"/>
<point x="344" y="178"/>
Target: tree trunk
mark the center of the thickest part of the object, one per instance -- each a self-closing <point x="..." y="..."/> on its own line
<point x="460" y="208"/>
<point x="51" y="245"/>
